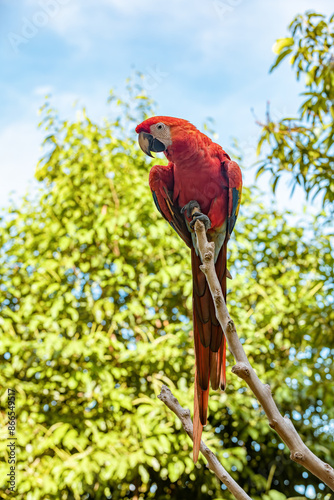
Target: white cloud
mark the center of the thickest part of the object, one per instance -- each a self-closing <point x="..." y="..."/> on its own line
<point x="21" y="140"/>
<point x="215" y="29"/>
<point x="19" y="152"/>
<point x="43" y="90"/>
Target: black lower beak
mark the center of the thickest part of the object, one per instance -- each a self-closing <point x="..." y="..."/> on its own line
<point x="149" y="144"/>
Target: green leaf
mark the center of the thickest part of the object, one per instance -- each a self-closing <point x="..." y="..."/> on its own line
<point x="281" y="43"/>
<point x="281" y="56"/>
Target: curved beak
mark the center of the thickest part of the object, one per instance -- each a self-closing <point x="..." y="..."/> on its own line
<point x="145" y="141"/>
<point x="150" y="144"/>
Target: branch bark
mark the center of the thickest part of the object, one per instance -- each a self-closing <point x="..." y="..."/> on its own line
<point x="300" y="453"/>
<point x="213" y="463"/>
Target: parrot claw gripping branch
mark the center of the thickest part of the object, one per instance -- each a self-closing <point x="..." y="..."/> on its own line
<point x="200" y="183"/>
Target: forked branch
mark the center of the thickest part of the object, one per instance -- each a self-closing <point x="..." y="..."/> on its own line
<point x="300" y="453"/>
<point x="213" y="463"/>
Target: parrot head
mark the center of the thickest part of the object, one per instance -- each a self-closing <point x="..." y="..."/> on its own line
<point x="164" y="134"/>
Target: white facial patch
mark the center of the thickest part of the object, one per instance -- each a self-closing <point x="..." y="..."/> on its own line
<point x="161" y="132"/>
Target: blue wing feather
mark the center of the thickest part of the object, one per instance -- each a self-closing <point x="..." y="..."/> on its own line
<point x="156" y="201"/>
<point x="236" y="198"/>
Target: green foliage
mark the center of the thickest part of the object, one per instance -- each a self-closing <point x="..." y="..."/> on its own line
<point x="95" y="290"/>
<point x="303" y="145"/>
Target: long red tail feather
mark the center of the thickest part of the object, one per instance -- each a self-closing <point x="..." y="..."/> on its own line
<point x="210" y="343"/>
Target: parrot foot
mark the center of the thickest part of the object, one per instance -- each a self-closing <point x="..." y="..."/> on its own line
<point x="193" y="211"/>
<point x="189" y="208"/>
<point x="201" y="217"/>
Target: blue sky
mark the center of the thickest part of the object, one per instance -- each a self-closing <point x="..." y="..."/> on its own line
<point x="200" y="58"/>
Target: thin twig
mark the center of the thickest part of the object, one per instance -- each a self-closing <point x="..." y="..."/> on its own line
<point x="300" y="453"/>
<point x="213" y="463"/>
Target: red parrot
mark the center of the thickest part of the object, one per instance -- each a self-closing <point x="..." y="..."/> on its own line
<point x="200" y="182"/>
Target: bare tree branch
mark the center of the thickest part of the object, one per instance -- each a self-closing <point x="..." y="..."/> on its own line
<point x="213" y="463"/>
<point x="300" y="453"/>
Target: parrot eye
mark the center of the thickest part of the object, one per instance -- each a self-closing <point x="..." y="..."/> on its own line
<point x="160" y="126"/>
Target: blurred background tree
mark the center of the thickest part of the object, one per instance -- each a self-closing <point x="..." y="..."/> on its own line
<point x="96" y="314"/>
<point x="303" y="145"/>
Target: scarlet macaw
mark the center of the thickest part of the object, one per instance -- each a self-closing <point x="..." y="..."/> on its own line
<point x="200" y="175"/>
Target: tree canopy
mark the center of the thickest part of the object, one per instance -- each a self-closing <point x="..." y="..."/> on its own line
<point x="302" y="145"/>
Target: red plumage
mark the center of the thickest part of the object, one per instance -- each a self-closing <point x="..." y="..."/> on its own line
<point x="200" y="170"/>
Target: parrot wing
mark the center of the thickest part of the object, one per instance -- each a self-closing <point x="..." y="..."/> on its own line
<point x="161" y="182"/>
<point x="232" y="176"/>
